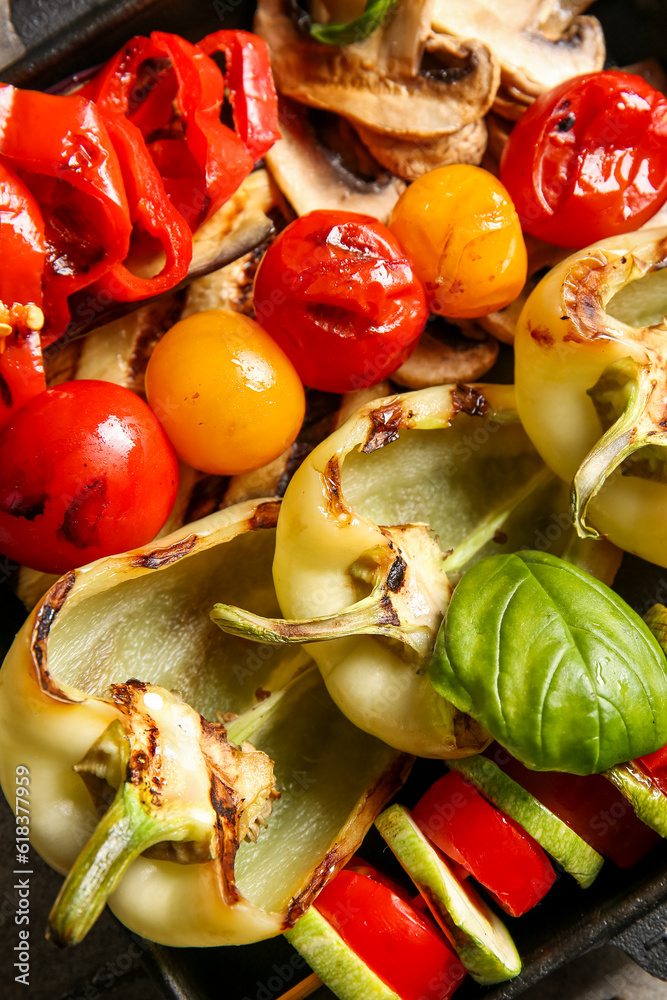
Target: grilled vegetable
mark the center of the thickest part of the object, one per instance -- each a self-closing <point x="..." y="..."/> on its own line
<point x="588" y="159"/>
<point x="367" y="942"/>
<point x="588" y="804"/>
<point x="481" y="940"/>
<point x="228" y="398"/>
<point x="161" y="767"/>
<point x="554" y="836"/>
<point x="590" y="381"/>
<point x="379" y="517"/>
<point x="339" y="295"/>
<point x="459" y="227"/>
<point x="85" y="470"/>
<point x="488" y="844"/>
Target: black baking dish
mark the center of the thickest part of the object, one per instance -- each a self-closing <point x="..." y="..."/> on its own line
<point x="627" y="908"/>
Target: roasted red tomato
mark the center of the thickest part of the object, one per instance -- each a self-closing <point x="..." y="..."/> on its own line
<point x="401" y="946"/>
<point x="589" y="159"/>
<point x="85" y="470"/>
<point x="338" y="294"/>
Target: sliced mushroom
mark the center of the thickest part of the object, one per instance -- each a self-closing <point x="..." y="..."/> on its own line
<point x="410" y="158"/>
<point x="402" y="79"/>
<point x="443" y="355"/>
<point x="310" y="177"/>
<point x="539" y="43"/>
<point x="498" y="132"/>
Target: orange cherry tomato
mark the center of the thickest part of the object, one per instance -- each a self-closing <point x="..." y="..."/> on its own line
<point x="461" y="231"/>
<point x="225" y="393"/>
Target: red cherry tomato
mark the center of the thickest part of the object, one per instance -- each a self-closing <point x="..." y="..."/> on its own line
<point x="494" y="849"/>
<point x="85" y="470"/>
<point x="402" y="947"/>
<point x="588" y="159"/>
<point x="338" y="294"/>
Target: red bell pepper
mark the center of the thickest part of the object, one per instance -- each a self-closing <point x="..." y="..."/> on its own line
<point x="492" y="847"/>
<point x="589" y="804"/>
<point x="153" y="216"/>
<point x="401" y="946"/>
<point x="61" y="150"/>
<point x="201" y="161"/>
<point x="23" y="253"/>
<point x="250" y="84"/>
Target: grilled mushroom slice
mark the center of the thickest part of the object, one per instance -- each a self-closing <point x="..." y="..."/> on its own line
<point x="312" y="176"/>
<point x="403" y="79"/>
<point x="539" y="43"/>
<point x="443" y="355"/>
<point x="410" y="159"/>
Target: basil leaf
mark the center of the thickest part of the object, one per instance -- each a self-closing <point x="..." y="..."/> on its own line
<point x="554" y="664"/>
<point x="358" y="30"/>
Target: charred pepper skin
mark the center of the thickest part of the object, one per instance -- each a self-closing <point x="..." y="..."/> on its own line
<point x="348" y="571"/>
<point x="174" y="775"/>
<point x="591" y="374"/>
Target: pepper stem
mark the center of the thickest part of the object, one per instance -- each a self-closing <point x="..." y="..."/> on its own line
<point x="625" y="386"/>
<point x="373" y="615"/>
<point x="126" y="829"/>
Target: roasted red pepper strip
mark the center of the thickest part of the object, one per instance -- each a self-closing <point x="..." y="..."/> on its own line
<point x="151" y="213"/>
<point x="202" y="170"/>
<point x="250" y="85"/>
<point x="494" y="849"/>
<point x="22" y="252"/>
<point x="68" y="163"/>
<point x="22" y="247"/>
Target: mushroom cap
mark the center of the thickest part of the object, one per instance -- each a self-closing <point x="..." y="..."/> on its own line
<point x="447" y="357"/>
<point x="539" y="43"/>
<point x="410" y="159"/>
<point x="381" y="82"/>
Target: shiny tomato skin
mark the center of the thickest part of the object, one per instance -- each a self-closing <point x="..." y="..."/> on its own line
<point x="401" y="946"/>
<point x="227" y="396"/>
<point x="491" y="846"/>
<point x="85" y="471"/>
<point x="589" y="159"/>
<point x="461" y="231"/>
<point x="339" y="295"/>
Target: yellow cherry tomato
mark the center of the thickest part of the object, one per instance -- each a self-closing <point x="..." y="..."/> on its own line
<point x="225" y="393"/>
<point x="461" y="231"/>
